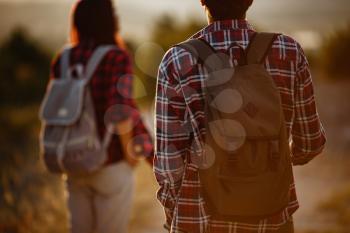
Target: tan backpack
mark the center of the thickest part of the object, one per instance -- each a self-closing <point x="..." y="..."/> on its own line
<point x="246" y="170"/>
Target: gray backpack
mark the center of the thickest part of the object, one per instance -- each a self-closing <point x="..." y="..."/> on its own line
<point x="245" y="170"/>
<point x="69" y="139"/>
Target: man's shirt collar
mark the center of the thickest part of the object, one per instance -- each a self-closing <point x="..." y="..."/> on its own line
<point x="232" y="24"/>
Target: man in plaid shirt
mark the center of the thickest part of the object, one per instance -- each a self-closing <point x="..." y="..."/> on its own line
<point x="180" y="119"/>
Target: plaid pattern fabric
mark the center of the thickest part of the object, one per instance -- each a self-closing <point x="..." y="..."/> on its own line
<point x="111" y="90"/>
<point x="180" y="125"/>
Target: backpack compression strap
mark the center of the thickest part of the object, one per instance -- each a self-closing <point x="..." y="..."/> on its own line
<point x="259" y="47"/>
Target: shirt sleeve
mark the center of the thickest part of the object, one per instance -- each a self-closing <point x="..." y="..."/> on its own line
<point x="120" y="92"/>
<point x="172" y="135"/>
<point x="308" y="135"/>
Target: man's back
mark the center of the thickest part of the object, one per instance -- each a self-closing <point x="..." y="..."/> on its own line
<point x="181" y="106"/>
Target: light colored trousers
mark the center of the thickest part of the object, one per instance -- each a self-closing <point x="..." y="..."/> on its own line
<point x="101" y="202"/>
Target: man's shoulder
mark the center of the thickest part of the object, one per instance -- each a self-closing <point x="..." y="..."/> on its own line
<point x="177" y="58"/>
<point x="289" y="48"/>
<point x="176" y="52"/>
<point x="287" y="40"/>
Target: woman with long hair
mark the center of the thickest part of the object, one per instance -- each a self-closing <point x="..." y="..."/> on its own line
<point x="100" y="202"/>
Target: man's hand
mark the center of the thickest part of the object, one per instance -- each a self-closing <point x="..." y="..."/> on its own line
<point x="302" y="159"/>
<point x="299" y="162"/>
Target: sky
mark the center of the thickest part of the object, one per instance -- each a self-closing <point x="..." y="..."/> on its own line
<point x="307" y="20"/>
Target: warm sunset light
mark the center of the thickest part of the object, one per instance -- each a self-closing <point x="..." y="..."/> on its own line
<point x="154" y="116"/>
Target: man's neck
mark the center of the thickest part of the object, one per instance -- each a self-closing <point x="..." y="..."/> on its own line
<point x="212" y="20"/>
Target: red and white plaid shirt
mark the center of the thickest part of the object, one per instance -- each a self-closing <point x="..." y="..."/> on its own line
<point x="180" y="104"/>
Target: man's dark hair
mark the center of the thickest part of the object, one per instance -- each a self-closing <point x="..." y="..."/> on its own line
<point x="94" y="20"/>
<point x="227" y="9"/>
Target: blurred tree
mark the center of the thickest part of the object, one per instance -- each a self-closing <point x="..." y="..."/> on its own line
<point x="166" y="33"/>
<point x="31" y="200"/>
<point x="24" y="70"/>
<point x="335" y="54"/>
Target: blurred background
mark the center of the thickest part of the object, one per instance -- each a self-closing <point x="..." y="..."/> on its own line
<point x="31" y="31"/>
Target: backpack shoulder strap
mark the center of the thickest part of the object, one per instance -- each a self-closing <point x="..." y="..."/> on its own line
<point x="203" y="51"/>
<point x="64" y="60"/>
<point x="259" y="47"/>
<point x="199" y="48"/>
<point x="95" y="60"/>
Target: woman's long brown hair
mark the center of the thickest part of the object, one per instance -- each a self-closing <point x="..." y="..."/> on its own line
<point x="94" y="21"/>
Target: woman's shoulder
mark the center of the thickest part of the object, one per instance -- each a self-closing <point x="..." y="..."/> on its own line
<point x="118" y="56"/>
<point x="118" y="52"/>
<point x="87" y="51"/>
